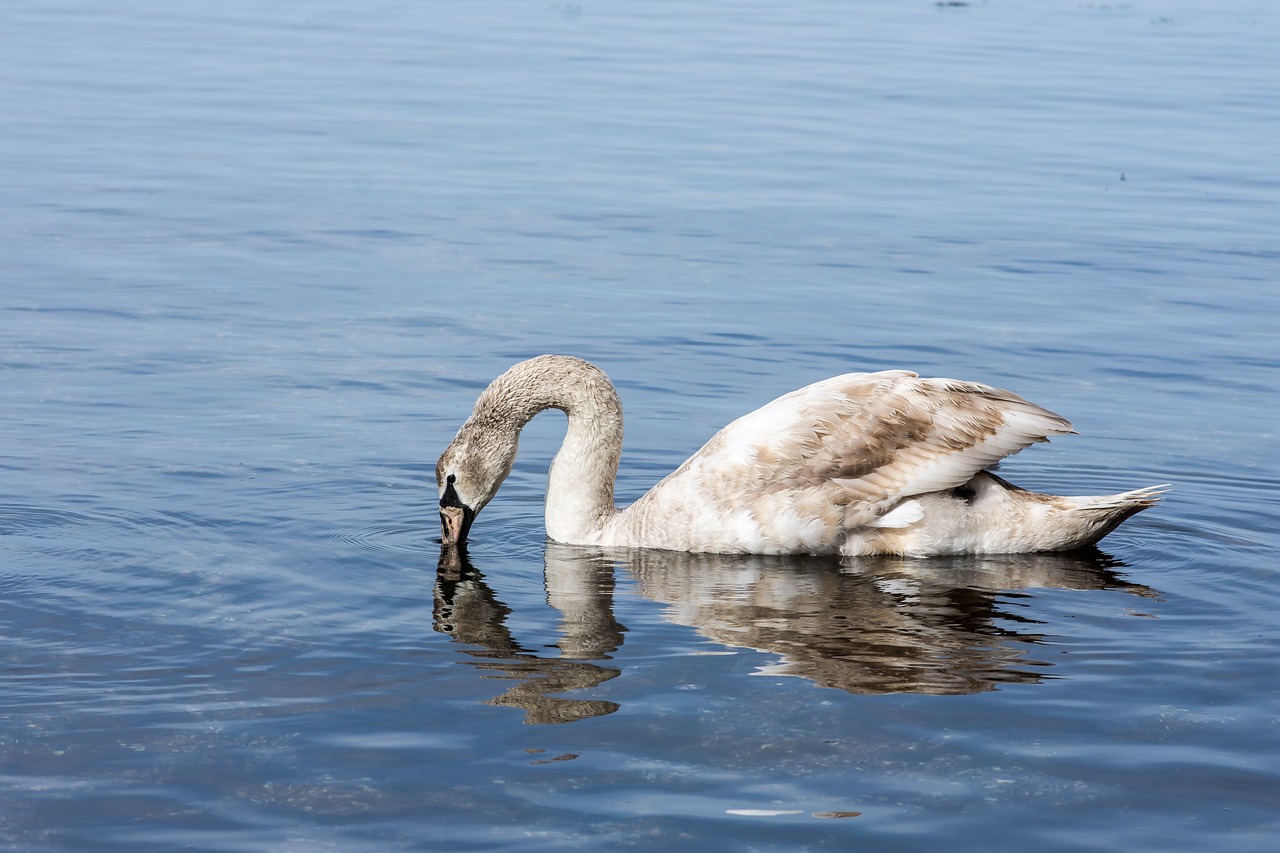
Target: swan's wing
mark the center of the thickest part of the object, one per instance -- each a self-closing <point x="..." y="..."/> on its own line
<point x="867" y="440"/>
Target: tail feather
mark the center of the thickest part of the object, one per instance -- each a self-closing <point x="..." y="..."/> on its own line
<point x="1107" y="512"/>
<point x="1138" y="499"/>
<point x="989" y="515"/>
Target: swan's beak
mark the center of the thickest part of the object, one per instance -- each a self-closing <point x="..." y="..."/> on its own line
<point x="455" y="523"/>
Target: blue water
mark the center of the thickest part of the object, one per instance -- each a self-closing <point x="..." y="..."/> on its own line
<point x="258" y="259"/>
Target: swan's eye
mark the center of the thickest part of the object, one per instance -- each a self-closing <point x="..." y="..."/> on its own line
<point x="450" y="496"/>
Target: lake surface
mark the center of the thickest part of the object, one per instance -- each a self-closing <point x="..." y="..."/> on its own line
<point x="258" y="260"/>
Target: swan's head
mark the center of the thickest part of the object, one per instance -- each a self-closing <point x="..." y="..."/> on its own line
<point x="468" y="475"/>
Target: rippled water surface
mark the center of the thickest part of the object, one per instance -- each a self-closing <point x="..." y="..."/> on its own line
<point x="258" y="259"/>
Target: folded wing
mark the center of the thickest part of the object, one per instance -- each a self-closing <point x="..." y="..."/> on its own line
<point x="865" y="441"/>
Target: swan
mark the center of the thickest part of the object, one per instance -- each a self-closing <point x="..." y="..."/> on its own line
<point x="855" y="465"/>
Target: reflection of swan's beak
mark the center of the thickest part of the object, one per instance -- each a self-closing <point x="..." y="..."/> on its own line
<point x="452" y="562"/>
<point x="455" y="522"/>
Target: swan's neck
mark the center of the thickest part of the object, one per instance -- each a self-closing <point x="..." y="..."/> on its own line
<point x="580" y="485"/>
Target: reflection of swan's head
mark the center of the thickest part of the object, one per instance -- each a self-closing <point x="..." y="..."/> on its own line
<point x="467" y="610"/>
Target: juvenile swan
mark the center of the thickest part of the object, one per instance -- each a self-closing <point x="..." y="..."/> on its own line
<point x="864" y="463"/>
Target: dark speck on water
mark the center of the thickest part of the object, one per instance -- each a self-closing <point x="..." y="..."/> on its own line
<point x="260" y="258"/>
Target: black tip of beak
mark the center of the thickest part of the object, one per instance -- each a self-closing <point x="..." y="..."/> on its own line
<point x="455" y="517"/>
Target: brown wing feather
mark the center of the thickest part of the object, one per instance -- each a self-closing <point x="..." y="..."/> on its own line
<point x="865" y="441"/>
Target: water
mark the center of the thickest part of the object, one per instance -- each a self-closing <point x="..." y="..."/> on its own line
<point x="259" y="260"/>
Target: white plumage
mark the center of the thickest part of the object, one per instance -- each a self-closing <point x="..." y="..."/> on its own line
<point x="864" y="463"/>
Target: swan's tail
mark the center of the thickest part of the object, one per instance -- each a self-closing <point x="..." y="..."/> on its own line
<point x="989" y="515"/>
<point x="1097" y="516"/>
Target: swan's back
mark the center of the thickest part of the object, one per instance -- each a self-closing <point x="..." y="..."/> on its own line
<point x="800" y="473"/>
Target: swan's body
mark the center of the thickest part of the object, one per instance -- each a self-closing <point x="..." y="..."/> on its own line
<point x="865" y="463"/>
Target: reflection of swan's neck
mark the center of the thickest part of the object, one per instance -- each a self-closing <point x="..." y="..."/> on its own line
<point x="580" y="486"/>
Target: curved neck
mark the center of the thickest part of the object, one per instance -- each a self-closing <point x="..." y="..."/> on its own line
<point x="580" y="485"/>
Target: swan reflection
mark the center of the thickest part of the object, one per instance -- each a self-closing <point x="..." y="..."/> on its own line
<point x="467" y="610"/>
<point x="875" y="625"/>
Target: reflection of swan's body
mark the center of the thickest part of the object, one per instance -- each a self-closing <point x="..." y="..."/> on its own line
<point x="873" y="625"/>
<point x="877" y="625"/>
<point x="865" y="463"/>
